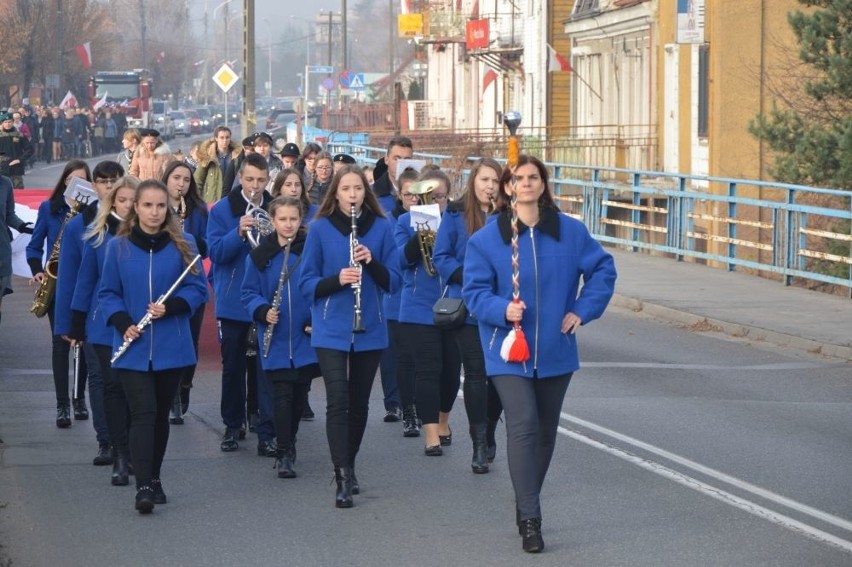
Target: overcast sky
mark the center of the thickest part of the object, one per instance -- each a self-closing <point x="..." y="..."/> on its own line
<point x="272" y="9"/>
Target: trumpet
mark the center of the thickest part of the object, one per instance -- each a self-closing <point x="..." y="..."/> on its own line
<point x="357" y="321"/>
<point x="425" y="234"/>
<point x="262" y="224"/>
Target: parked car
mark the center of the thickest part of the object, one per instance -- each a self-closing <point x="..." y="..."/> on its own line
<point x="181" y="123"/>
<point x="162" y="119"/>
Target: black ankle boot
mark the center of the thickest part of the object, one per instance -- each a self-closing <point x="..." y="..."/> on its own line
<point x="490" y="441"/>
<point x="144" y="499"/>
<point x="120" y="472"/>
<point x="284" y="463"/>
<point x="343" y="498"/>
<point x="63" y="416"/>
<point x="479" y="463"/>
<point x="356" y="488"/>
<point x="531" y="534"/>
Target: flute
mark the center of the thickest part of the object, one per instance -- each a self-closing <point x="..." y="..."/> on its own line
<point x="276" y="300"/>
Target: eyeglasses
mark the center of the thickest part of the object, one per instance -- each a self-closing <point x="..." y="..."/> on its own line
<point x="323" y="168"/>
<point x="408" y="195"/>
<point x="439" y="197"/>
<point x="110" y="181"/>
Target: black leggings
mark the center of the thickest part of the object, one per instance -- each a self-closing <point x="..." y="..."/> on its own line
<point x="115" y="403"/>
<point x="404" y="364"/>
<point x="194" y="328"/>
<point x="289" y="395"/>
<point x="348" y="378"/>
<point x="149" y="395"/>
<point x="436" y="368"/>
<point x="481" y="401"/>
<point x="532" y="418"/>
<point x="60" y="351"/>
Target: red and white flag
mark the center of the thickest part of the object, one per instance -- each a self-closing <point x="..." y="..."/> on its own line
<point x="161" y="56"/>
<point x="69" y="101"/>
<point x="101" y="103"/>
<point x="556" y="62"/>
<point x="405" y="6"/>
<point x="84" y="52"/>
<point x="489" y="77"/>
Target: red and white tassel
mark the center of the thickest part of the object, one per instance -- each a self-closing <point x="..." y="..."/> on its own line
<point x="515" y="347"/>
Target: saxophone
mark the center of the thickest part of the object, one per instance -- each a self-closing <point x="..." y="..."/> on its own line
<point x="47" y="288"/>
<point x="357" y="322"/>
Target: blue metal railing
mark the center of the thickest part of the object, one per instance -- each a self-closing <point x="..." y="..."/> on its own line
<point x="754" y="225"/>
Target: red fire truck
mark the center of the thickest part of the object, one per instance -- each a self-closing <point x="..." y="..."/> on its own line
<point x="128" y="91"/>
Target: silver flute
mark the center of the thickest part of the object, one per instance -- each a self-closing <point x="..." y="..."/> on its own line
<point x="76" y="358"/>
<point x="357" y="322"/>
<point x="276" y="300"/>
<point x="147" y="318"/>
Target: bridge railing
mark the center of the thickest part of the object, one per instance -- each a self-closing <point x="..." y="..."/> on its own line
<point x="774" y="229"/>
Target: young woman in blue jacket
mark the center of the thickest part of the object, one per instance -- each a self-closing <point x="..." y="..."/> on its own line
<point x="334" y="260"/>
<point x="88" y="325"/>
<point x="554" y="253"/>
<point x="191" y="212"/>
<point x="52" y="214"/>
<point x="462" y="219"/>
<point x="289" y="362"/>
<point x="144" y="260"/>
<point x="436" y="359"/>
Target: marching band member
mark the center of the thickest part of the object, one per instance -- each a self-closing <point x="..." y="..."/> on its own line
<point x="191" y="212"/>
<point x="52" y="214"/>
<point x="463" y="218"/>
<point x="227" y="239"/>
<point x="288" y="183"/>
<point x="349" y="260"/>
<point x="436" y="359"/>
<point x="88" y="325"/>
<point x="147" y="257"/>
<point x="270" y="295"/>
<point x="525" y="269"/>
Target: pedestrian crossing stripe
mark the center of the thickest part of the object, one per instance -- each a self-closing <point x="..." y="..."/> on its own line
<point x="357" y="82"/>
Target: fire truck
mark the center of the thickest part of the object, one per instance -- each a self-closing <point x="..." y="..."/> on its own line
<point x="128" y="91"/>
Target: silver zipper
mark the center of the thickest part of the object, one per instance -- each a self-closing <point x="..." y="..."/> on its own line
<point x="150" y="299"/>
<point x="325" y="308"/>
<point x="414" y="288"/>
<point x="535" y="271"/>
<point x="231" y="282"/>
<point x="493" y="337"/>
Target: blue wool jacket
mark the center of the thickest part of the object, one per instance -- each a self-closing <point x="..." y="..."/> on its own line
<point x="332" y="305"/>
<point x="86" y="316"/>
<point x="51" y="216"/>
<point x="137" y="270"/>
<point x="228" y="252"/>
<point x="448" y="253"/>
<point x="290" y="346"/>
<point x="554" y="255"/>
<point x="391" y="301"/>
<point x="420" y="291"/>
<point x="196" y="225"/>
<point x="70" y="256"/>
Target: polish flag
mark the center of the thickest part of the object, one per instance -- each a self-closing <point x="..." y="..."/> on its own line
<point x="69" y="101"/>
<point x="101" y="103"/>
<point x="405" y="6"/>
<point x="161" y="56"/>
<point x="556" y="62"/>
<point x="490" y="77"/>
<point x="84" y="52"/>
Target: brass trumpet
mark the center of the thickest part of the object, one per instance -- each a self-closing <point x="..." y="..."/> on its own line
<point x="426" y="236"/>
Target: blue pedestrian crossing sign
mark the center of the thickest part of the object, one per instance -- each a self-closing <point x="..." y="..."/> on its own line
<point x="351" y="80"/>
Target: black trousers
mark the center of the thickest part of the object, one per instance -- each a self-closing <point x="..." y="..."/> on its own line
<point x="149" y="395"/>
<point x="436" y="368"/>
<point x="348" y="378"/>
<point x="532" y="418"/>
<point x="289" y="395"/>
<point x="404" y="364"/>
<point x="481" y="401"/>
<point x="115" y="403"/>
<point x="59" y="359"/>
<point x="194" y="328"/>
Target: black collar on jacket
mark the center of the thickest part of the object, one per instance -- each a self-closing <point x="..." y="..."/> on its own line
<point x="58" y="204"/>
<point x="112" y="224"/>
<point x="456" y="206"/>
<point x="89" y="213"/>
<point x="149" y="242"/>
<point x="343" y="222"/>
<point x="548" y="223"/>
<point x="238" y="203"/>
<point x="382" y="186"/>
<point x="398" y="209"/>
<point x="269" y="247"/>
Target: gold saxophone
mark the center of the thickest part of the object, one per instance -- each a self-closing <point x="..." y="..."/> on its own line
<point x="47" y="288"/>
<point x="426" y="236"/>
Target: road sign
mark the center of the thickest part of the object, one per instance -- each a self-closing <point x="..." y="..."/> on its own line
<point x="350" y="80"/>
<point x="327" y="83"/>
<point x="320" y="69"/>
<point x="225" y="77"/>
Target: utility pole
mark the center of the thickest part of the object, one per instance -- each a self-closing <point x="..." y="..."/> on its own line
<point x="144" y="34"/>
<point x="343" y="35"/>
<point x="59" y="25"/>
<point x="248" y="121"/>
<point x="206" y="48"/>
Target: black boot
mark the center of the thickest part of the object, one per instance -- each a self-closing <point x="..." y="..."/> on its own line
<point x="176" y="415"/>
<point x="81" y="412"/>
<point x="284" y="463"/>
<point x="531" y="534"/>
<point x="479" y="463"/>
<point x="104" y="456"/>
<point x="356" y="488"/>
<point x="144" y="499"/>
<point x="63" y="416"/>
<point x="491" y="442"/>
<point x="410" y="428"/>
<point x="120" y="472"/>
<point x="343" y="497"/>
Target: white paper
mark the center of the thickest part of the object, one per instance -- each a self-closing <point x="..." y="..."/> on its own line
<point x="425" y="217"/>
<point x="81" y="190"/>
<point x="415" y="164"/>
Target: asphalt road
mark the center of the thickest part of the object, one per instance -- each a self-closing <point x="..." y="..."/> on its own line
<point x="676" y="449"/>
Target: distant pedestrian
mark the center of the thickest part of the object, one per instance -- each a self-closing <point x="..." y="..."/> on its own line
<point x="15" y="151"/>
<point x="8" y="219"/>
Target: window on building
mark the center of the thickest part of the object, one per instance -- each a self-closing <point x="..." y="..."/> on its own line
<point x="585" y="8"/>
<point x="703" y="89"/>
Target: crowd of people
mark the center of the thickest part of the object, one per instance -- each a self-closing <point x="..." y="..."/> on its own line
<point x="319" y="268"/>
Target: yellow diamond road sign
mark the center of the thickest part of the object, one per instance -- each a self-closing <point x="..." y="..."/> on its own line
<point x="225" y="77"/>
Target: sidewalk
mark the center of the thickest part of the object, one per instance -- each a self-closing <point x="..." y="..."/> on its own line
<point x="737" y="304"/>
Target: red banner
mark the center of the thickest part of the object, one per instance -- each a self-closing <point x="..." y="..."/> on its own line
<point x="477" y="36"/>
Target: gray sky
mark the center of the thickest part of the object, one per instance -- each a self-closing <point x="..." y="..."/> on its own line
<point x="273" y="9"/>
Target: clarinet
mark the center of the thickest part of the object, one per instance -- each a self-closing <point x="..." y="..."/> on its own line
<point x="357" y="322"/>
<point x="147" y="318"/>
<point x="182" y="214"/>
<point x="276" y="300"/>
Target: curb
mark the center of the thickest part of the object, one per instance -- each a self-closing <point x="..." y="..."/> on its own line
<point x="699" y="323"/>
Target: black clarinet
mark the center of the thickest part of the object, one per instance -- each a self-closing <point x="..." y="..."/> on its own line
<point x="357" y="321"/>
